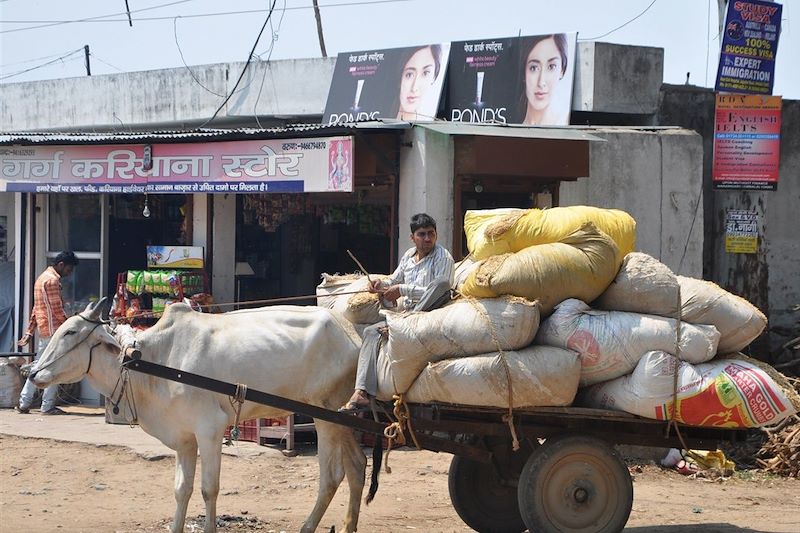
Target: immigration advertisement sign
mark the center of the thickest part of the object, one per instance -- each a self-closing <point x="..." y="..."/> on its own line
<point x="263" y="166"/>
<point x="747" y="140"/>
<point x="396" y="84"/>
<point x="749" y="45"/>
<point x="515" y="80"/>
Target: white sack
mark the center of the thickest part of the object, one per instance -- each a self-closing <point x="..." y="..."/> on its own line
<point x="463" y="327"/>
<point x="733" y="392"/>
<point x="10" y="384"/>
<point x="463" y="269"/>
<point x="643" y="285"/>
<point x="610" y="343"/>
<point x="540" y="376"/>
<point x="739" y="322"/>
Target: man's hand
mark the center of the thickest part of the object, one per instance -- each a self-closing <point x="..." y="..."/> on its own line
<point x="392" y="294"/>
<point x="375" y="286"/>
<point x="24" y="341"/>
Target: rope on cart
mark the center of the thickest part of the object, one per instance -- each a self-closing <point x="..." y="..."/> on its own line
<point x="673" y="410"/>
<point x="153" y="314"/>
<point x="396" y="430"/>
<point x="236" y="401"/>
<point x="508" y="418"/>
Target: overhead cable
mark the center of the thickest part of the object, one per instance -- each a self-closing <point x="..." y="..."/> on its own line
<point x="103" y="18"/>
<point x="621" y="25"/>
<point x="247" y="64"/>
<point x="42" y="65"/>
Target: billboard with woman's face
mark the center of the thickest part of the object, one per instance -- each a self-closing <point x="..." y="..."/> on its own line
<point x="515" y="80"/>
<point x="398" y="83"/>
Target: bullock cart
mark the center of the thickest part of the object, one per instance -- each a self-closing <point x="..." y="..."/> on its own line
<point x="565" y="476"/>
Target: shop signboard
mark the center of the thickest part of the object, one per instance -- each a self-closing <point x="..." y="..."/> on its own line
<point x="747" y="139"/>
<point x="741" y="231"/>
<point x="174" y="257"/>
<point x="389" y="84"/>
<point x="749" y="45"/>
<point x="322" y="164"/>
<point x="515" y="80"/>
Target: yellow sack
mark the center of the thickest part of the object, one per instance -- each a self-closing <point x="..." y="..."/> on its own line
<point x="581" y="265"/>
<point x="499" y="231"/>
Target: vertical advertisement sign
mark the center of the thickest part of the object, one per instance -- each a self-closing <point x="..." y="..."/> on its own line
<point x="749" y="45"/>
<point x="398" y="83"/>
<point x="741" y="231"/>
<point x="747" y="140"/>
<point x="515" y="80"/>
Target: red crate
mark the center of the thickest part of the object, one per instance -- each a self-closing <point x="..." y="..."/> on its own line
<point x="248" y="430"/>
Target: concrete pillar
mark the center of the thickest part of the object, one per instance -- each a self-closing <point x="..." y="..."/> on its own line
<point x="224" y="249"/>
<point x="426" y="183"/>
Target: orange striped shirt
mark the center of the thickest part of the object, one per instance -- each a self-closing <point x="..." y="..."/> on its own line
<point x="48" y="308"/>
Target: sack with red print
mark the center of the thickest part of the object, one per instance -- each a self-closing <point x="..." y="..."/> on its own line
<point x="610" y="343"/>
<point x="732" y="392"/>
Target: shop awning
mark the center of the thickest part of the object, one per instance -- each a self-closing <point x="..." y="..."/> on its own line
<point x="521" y="132"/>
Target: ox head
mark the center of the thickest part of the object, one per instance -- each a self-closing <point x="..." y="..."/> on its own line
<point x="68" y="356"/>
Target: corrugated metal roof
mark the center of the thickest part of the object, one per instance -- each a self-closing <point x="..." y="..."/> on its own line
<point x="566" y="133"/>
<point x="197" y="135"/>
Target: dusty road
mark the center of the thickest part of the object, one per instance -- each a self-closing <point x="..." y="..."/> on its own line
<point x="50" y="485"/>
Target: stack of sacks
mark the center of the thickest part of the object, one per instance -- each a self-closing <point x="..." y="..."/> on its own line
<point x="458" y="354"/>
<point x="729" y="391"/>
<point x="580" y="265"/>
<point x="733" y="391"/>
<point x="361" y="308"/>
<point x="500" y="231"/>
<point x="610" y="343"/>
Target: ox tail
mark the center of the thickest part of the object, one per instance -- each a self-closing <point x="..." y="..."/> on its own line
<point x="377" y="461"/>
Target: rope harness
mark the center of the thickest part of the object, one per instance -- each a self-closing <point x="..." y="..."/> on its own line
<point x="236" y="401"/>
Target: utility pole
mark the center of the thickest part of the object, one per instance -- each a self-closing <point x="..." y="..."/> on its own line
<point x="86" y="55"/>
<point x="319" y="28"/>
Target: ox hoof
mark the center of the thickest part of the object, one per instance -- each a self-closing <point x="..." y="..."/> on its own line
<point x="289" y="453"/>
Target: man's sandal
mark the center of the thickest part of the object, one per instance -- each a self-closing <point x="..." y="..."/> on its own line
<point x="354" y="408"/>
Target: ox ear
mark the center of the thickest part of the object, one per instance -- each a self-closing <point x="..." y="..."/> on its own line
<point x="94" y="312"/>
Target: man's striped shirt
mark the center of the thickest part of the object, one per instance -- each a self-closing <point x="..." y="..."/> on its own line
<point x="414" y="277"/>
<point x="48" y="308"/>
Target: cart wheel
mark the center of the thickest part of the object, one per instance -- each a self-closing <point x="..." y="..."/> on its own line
<point x="484" y="494"/>
<point x="575" y="483"/>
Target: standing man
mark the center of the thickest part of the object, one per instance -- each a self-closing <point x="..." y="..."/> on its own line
<point x="424" y="277"/>
<point x="47" y="315"/>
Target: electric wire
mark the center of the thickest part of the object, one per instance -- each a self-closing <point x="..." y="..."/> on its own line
<point x="48" y="23"/>
<point x="32" y="60"/>
<point x="247" y="64"/>
<point x="92" y="54"/>
<point x="56" y="60"/>
<point x="103" y="18"/>
<point x="275" y="36"/>
<point x="183" y="60"/>
<point x="621" y="25"/>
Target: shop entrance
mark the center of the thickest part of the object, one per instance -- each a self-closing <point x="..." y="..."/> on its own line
<point x="284" y="242"/>
<point x="130" y="232"/>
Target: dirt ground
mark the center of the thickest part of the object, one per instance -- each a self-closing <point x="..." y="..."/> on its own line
<point x="49" y="485"/>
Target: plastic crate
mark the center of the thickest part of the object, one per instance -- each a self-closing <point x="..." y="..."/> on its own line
<point x="248" y="430"/>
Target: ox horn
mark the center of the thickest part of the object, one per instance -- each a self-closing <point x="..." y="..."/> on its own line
<point x="94" y="312"/>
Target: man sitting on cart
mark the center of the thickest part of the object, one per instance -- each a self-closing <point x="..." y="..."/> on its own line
<point x="423" y="277"/>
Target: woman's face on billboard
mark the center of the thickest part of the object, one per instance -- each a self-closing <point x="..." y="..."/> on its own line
<point x="418" y="75"/>
<point x="543" y="71"/>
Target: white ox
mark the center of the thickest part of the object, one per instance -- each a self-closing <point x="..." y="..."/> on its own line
<point x="303" y="353"/>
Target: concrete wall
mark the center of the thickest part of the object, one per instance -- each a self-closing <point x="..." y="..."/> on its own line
<point x="224" y="248"/>
<point x="174" y="98"/>
<point x="769" y="279"/>
<point x="615" y="78"/>
<point x="426" y="184"/>
<point x="656" y="176"/>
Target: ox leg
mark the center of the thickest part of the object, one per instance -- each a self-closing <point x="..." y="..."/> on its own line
<point x="185" y="464"/>
<point x="211" y="458"/>
<point x="338" y="455"/>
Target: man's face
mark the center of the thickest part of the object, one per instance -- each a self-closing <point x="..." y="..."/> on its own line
<point x="424" y="239"/>
<point x="63" y="269"/>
